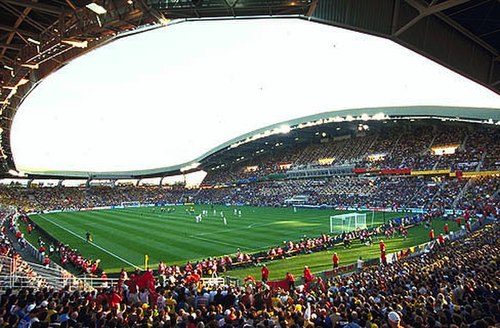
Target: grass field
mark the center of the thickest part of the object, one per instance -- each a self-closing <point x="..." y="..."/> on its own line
<point x="123" y="236"/>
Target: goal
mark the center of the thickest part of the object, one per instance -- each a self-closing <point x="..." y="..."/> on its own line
<point x="131" y="204"/>
<point x="347" y="222"/>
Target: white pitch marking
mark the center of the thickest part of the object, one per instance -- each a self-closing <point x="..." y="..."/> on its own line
<point x="92" y="243"/>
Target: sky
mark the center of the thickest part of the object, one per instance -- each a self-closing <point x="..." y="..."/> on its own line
<point x="165" y="97"/>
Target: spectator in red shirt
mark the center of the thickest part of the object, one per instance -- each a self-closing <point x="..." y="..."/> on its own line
<point x="46" y="261"/>
<point x="382" y="246"/>
<point x="441" y="239"/>
<point x="383" y="258"/>
<point x="290" y="279"/>
<point x="265" y="273"/>
<point x="335" y="260"/>
<point x="308" y="276"/>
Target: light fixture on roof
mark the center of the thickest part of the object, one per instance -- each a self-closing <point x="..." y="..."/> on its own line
<point x="34" y="41"/>
<point x="22" y="81"/>
<point x="32" y="66"/>
<point x="8" y="67"/>
<point x="285" y="128"/>
<point x="17" y="174"/>
<point x="189" y="167"/>
<point x="98" y="9"/>
<point x="164" y="21"/>
<point x="75" y="43"/>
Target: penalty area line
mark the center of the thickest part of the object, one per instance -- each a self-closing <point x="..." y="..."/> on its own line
<point x="92" y="243"/>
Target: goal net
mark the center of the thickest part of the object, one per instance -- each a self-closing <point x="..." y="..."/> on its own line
<point x="131" y="204"/>
<point x="347" y="222"/>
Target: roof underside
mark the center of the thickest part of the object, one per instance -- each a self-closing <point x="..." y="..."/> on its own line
<point x="303" y="127"/>
<point x="39" y="36"/>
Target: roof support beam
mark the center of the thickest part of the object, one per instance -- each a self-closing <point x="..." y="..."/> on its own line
<point x="16" y="30"/>
<point x="312" y="8"/>
<point x="34" y="5"/>
<point x="11" y="46"/>
<point x="18" y="22"/>
<point x="425" y="11"/>
<point x="71" y="4"/>
<point x="13" y="10"/>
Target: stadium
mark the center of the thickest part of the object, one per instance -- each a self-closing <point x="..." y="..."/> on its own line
<point x="249" y="163"/>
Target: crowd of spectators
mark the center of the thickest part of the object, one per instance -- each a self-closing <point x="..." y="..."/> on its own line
<point x="36" y="199"/>
<point x="475" y="147"/>
<point x="12" y="265"/>
<point x="396" y="192"/>
<point x="450" y="286"/>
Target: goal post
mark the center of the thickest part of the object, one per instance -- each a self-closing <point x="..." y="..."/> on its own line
<point x="131" y="204"/>
<point x="347" y="222"/>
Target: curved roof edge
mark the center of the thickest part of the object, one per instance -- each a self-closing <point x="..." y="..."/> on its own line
<point x="465" y="114"/>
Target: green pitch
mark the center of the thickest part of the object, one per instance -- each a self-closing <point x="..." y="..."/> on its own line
<point x="121" y="237"/>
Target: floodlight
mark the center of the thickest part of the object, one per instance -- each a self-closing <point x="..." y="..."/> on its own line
<point x="190" y="167"/>
<point x="75" y="43"/>
<point x="22" y="81"/>
<point x="98" y="9"/>
<point x="34" y="41"/>
<point x="285" y="128"/>
<point x="32" y="66"/>
<point x="17" y="174"/>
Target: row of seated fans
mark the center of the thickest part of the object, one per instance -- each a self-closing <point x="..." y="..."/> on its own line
<point x="343" y="191"/>
<point x="381" y="191"/>
<point x="407" y="149"/>
<point x="58" y="198"/>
